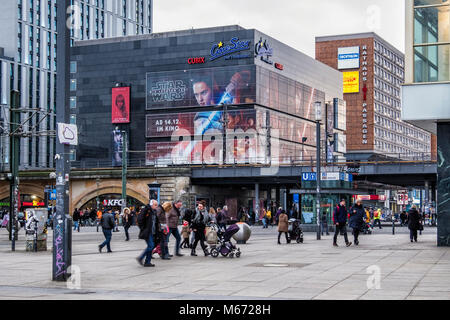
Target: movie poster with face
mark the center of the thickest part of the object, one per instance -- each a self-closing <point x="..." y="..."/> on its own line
<point x="197" y="137"/>
<point x="201" y="87"/>
<point x="120" y="111"/>
<point x="117" y="141"/>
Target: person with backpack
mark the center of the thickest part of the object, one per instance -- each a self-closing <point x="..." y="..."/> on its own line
<point x="357" y="215"/>
<point x="108" y="225"/>
<point x="376" y="218"/>
<point x="340" y="221"/>
<point x="148" y="224"/>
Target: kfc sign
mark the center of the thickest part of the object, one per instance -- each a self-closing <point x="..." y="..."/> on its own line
<point x="113" y="202"/>
<point x="197" y="60"/>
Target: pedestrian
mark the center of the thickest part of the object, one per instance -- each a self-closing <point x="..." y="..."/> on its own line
<point x="161" y="211"/>
<point x="213" y="215"/>
<point x="126" y="222"/>
<point x="357" y="215"/>
<point x="148" y="224"/>
<point x="108" y="225"/>
<point x="414" y="223"/>
<point x="264" y="219"/>
<point x="185" y="233"/>
<point x="76" y="220"/>
<point x="269" y="216"/>
<point x="199" y="223"/>
<point x="340" y="221"/>
<point x="376" y="218"/>
<point x="283" y="226"/>
<point x="324" y="223"/>
<point x="222" y="217"/>
<point x="99" y="217"/>
<point x="116" y="220"/>
<point x="173" y="217"/>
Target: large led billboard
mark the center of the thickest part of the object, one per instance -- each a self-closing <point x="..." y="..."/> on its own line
<point x="120" y="105"/>
<point x="201" y="87"/>
<point x="199" y="123"/>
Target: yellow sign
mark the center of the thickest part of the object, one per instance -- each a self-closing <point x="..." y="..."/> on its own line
<point x="351" y="82"/>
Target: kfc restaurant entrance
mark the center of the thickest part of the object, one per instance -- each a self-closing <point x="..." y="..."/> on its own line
<point x="112" y="200"/>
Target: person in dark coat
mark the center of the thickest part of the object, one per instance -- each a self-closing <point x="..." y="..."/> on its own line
<point x="199" y="223"/>
<point x="76" y="219"/>
<point x="149" y="232"/>
<point x="324" y="223"/>
<point x="107" y="223"/>
<point x="340" y="221"/>
<point x="126" y="222"/>
<point x="356" y="222"/>
<point x="414" y="223"/>
<point x="172" y="219"/>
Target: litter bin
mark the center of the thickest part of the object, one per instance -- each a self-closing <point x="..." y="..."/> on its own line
<point x="36" y="230"/>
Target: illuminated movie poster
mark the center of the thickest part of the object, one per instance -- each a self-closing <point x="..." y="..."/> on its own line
<point x="120" y="111"/>
<point x="199" y="137"/>
<point x="201" y="87"/>
<point x="117" y="140"/>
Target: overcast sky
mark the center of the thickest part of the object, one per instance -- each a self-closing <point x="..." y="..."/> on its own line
<point x="294" y="22"/>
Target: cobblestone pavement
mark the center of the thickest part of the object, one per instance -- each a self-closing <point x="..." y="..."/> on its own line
<point x="312" y="270"/>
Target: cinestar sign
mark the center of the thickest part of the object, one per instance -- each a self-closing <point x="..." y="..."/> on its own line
<point x="221" y="49"/>
<point x="348" y="58"/>
<point x="113" y="202"/>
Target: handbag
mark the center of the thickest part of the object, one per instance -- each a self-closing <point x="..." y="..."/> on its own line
<point x="420" y="227"/>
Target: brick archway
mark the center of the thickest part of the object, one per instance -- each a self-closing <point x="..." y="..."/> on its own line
<point x="92" y="192"/>
<point x="24" y="188"/>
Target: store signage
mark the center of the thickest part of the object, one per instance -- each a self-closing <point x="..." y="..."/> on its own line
<point x="372" y="197"/>
<point x="351" y="82"/>
<point x="235" y="45"/>
<point x="263" y="50"/>
<point x="198" y="60"/>
<point x="402" y="198"/>
<point x="364" y="106"/>
<point x="279" y="66"/>
<point x="327" y="176"/>
<point x="113" y="202"/>
<point x="348" y="58"/>
<point x="309" y="176"/>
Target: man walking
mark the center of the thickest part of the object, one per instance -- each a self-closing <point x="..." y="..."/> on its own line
<point x="107" y="223"/>
<point x="222" y="218"/>
<point x="172" y="219"/>
<point x="149" y="225"/>
<point x="340" y="221"/>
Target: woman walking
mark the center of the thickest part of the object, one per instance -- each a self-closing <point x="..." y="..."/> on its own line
<point x="414" y="223"/>
<point x="126" y="222"/>
<point x="283" y="226"/>
<point x="198" y="226"/>
<point x="357" y="214"/>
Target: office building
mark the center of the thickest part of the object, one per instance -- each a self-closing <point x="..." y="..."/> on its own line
<point x="28" y="60"/>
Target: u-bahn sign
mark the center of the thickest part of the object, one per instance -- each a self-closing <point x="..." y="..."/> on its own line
<point x="113" y="202"/>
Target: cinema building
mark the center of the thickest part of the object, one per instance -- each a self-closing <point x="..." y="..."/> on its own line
<point x="196" y="104"/>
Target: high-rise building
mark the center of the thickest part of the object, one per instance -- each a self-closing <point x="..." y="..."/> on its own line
<point x="426" y="93"/>
<point x="28" y="59"/>
<point x="373" y="72"/>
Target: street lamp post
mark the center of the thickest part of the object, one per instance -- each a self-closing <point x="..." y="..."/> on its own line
<point x="124" y="170"/>
<point x="318" y="106"/>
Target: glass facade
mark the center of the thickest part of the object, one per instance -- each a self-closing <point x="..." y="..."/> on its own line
<point x="431" y="40"/>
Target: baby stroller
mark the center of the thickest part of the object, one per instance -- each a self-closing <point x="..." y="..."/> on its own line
<point x="295" y="232"/>
<point x="225" y="247"/>
<point x="367" y="228"/>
